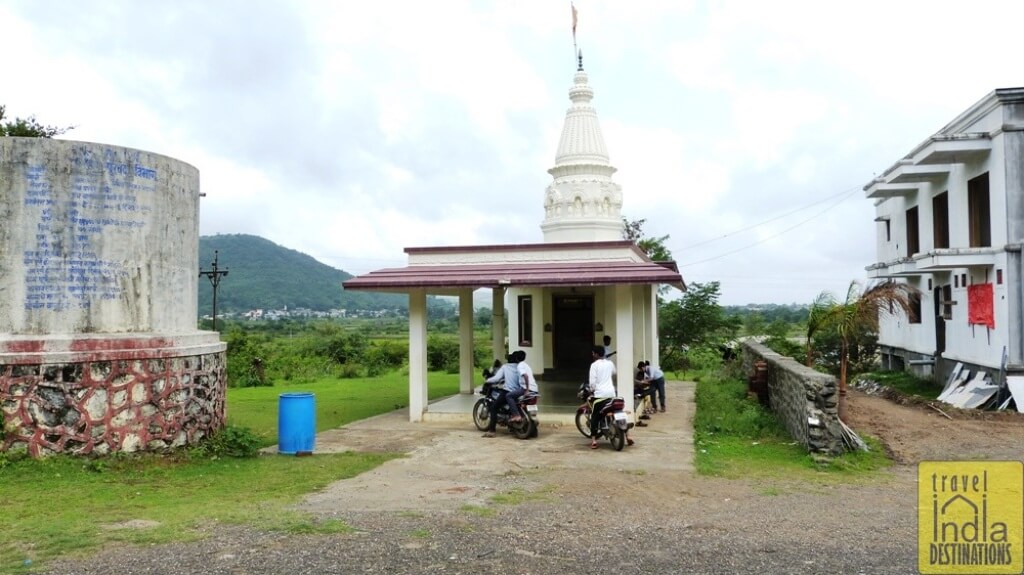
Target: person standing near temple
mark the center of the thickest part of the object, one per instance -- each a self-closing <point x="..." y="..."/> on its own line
<point x="608" y="351"/>
<point x="657" y="379"/>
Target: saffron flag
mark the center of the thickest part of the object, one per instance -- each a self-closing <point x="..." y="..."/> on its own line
<point x="573" y="6"/>
<point x="979" y="305"/>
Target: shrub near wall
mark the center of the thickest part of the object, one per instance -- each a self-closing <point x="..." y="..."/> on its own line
<point x="804" y="400"/>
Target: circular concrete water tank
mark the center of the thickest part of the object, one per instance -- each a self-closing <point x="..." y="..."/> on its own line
<point x="99" y="349"/>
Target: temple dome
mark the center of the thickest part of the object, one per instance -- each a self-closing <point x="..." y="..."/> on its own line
<point x="583" y="203"/>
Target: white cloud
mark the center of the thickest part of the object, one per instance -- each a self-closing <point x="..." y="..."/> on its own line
<point x="352" y="130"/>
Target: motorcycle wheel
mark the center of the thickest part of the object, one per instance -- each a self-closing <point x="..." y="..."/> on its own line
<point x="583" y="422"/>
<point x="521" y="428"/>
<point x="534" y="428"/>
<point x="481" y="415"/>
<point x="618" y="438"/>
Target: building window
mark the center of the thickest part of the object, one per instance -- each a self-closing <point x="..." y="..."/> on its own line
<point x="999" y="277"/>
<point x="978" y="212"/>
<point x="913" y="238"/>
<point x="963" y="280"/>
<point x="915" y="308"/>
<point x="947" y="301"/>
<point x="888" y="232"/>
<point x="940" y="220"/>
<point x="525" y="320"/>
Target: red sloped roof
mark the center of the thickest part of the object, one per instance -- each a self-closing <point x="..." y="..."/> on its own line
<point x="519" y="274"/>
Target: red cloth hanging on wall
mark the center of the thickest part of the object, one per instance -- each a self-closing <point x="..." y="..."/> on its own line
<point x="979" y="305"/>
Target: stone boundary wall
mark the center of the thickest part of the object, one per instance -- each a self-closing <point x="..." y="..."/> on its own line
<point x="109" y="405"/>
<point x="804" y="400"/>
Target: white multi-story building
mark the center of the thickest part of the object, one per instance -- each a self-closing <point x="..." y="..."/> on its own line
<point x="950" y="222"/>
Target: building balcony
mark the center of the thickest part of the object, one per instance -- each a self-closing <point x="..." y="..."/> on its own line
<point x="903" y="267"/>
<point x="883" y="189"/>
<point x="908" y="173"/>
<point x="953" y="149"/>
<point x="952" y="258"/>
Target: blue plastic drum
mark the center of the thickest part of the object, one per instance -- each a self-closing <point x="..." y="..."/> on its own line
<point x="296" y="423"/>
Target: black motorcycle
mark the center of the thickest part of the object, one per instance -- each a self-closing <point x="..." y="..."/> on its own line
<point x="525" y="428"/>
<point x="614" y="421"/>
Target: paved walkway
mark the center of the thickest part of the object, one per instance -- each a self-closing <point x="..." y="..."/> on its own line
<point x="449" y="463"/>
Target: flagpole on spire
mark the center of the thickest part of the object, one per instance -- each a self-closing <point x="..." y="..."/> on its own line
<point x="574" y="49"/>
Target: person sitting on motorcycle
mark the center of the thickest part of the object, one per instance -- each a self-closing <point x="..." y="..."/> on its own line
<point x="526" y="372"/>
<point x="601" y="386"/>
<point x="509" y="374"/>
<point x="489" y="372"/>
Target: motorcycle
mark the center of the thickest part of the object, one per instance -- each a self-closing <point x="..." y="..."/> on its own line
<point x="614" y="420"/>
<point x="525" y="428"/>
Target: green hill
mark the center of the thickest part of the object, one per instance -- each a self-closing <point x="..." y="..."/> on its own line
<point x="264" y="275"/>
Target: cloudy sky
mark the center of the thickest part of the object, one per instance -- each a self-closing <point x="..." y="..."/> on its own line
<point x="744" y="130"/>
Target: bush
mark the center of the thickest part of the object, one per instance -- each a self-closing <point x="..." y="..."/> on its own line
<point x="232" y="441"/>
<point x="702" y="357"/>
<point x="787" y="347"/>
<point x="443" y="354"/>
<point x="349" y="371"/>
<point x="385" y="355"/>
<point x="725" y="408"/>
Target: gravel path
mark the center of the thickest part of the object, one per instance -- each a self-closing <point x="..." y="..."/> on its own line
<point x="576" y="511"/>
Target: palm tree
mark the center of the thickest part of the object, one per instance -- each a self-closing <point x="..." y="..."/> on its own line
<point x="817" y="319"/>
<point x="860" y="312"/>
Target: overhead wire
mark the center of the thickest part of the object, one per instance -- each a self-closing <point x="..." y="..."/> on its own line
<point x="842" y="196"/>
<point x="844" y="193"/>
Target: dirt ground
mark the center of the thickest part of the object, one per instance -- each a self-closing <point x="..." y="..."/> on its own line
<point x="914" y="431"/>
<point x="425" y="512"/>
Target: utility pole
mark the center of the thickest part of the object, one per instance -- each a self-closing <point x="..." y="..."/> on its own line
<point x="214" y="275"/>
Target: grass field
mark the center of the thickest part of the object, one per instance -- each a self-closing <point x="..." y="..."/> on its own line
<point x="737" y="438"/>
<point x="65" y="506"/>
<point x="338" y="401"/>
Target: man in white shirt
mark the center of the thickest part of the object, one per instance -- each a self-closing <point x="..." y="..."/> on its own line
<point x="600" y="383"/>
<point x="529" y="382"/>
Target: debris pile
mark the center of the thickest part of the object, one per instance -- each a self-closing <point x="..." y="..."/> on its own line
<point x="979" y="390"/>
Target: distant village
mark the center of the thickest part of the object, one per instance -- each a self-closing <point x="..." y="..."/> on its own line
<point x="306" y="313"/>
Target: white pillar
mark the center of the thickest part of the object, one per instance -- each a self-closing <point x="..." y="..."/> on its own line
<point x="624" y="361"/>
<point x="498" y="323"/>
<point x="652" y="326"/>
<point x="417" y="354"/>
<point x="466" y="366"/>
<point x="641" y="345"/>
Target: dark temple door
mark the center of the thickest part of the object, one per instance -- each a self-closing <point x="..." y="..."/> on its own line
<point x="572" y="332"/>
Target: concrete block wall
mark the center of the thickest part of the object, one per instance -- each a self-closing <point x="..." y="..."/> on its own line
<point x="804" y="400"/>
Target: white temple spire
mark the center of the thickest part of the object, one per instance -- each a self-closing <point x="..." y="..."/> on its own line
<point x="583" y="203"/>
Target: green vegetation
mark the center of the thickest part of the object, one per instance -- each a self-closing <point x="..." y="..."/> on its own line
<point x="904" y="382"/>
<point x="27" y="127"/>
<point x="337" y="402"/>
<point x="694" y="325"/>
<point x="176" y="498"/>
<point x="735" y="437"/>
<point x="268" y="353"/>
<point x="520" y="496"/>
<point x="265" y="275"/>
<point x="511" y="497"/>
<point x="479" y="510"/>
